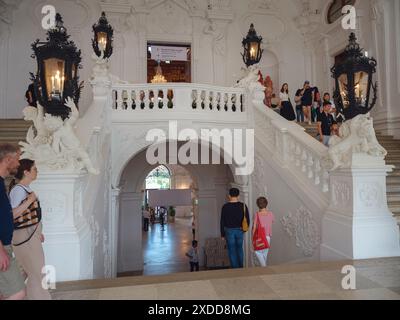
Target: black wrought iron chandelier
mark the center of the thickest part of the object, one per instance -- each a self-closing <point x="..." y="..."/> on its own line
<point x="103" y="37"/>
<point x="58" y="61"/>
<point x="353" y="81"/>
<point x="252" y="51"/>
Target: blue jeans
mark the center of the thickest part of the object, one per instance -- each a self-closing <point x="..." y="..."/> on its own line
<point x="300" y="114"/>
<point x="234" y="240"/>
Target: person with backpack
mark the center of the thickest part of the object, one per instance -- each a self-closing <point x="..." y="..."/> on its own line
<point x="12" y="286"/>
<point x="28" y="238"/>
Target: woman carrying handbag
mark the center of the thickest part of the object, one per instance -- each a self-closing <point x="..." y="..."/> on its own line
<point x="28" y="237"/>
<point x="262" y="231"/>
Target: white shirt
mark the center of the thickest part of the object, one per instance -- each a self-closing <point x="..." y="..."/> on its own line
<point x="18" y="194"/>
<point x="283" y="96"/>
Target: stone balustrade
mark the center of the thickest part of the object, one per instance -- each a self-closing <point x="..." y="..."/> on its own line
<point x="293" y="148"/>
<point x="177" y="96"/>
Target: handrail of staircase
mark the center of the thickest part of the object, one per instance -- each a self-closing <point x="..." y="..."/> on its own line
<point x="293" y="148"/>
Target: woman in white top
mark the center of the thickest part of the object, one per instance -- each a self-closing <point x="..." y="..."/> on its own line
<point x="286" y="106"/>
<point x="27" y="242"/>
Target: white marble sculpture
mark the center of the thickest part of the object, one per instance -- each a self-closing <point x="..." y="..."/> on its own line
<point x="36" y="115"/>
<point x="251" y="79"/>
<point x="63" y="149"/>
<point x="355" y="136"/>
<point x="100" y="69"/>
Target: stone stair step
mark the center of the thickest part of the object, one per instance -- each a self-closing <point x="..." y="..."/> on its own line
<point x="394" y="206"/>
<point x="393" y="197"/>
<point x="395" y="173"/>
<point x="393" y="187"/>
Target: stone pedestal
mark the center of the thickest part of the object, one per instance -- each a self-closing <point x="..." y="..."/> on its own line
<point x="358" y="223"/>
<point x="68" y="240"/>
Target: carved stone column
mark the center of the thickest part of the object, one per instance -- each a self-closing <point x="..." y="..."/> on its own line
<point x="207" y="222"/>
<point x="69" y="238"/>
<point x="358" y="223"/>
<point x="220" y="16"/>
<point x="113" y="227"/>
<point x="130" y="250"/>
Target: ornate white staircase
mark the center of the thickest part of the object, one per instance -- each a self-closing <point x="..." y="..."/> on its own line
<point x="393" y="158"/>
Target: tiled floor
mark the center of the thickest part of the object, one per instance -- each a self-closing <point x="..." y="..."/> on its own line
<point x="375" y="279"/>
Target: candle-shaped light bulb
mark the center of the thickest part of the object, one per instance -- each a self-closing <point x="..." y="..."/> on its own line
<point x="62" y="84"/>
<point x="102" y="42"/>
<point x="366" y="54"/>
<point x="252" y="53"/>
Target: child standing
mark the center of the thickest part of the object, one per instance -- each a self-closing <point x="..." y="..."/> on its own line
<point x="266" y="219"/>
<point x="194" y="257"/>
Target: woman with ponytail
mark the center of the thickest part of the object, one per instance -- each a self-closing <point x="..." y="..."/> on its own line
<point x="28" y="237"/>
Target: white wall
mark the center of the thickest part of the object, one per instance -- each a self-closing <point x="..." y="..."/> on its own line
<point x="216" y="51"/>
<point x="377" y="32"/>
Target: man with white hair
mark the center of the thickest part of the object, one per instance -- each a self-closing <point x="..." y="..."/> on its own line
<point x="12" y="286"/>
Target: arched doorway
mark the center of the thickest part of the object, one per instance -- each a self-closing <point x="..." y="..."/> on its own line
<point x="170" y="195"/>
<point x="213" y="182"/>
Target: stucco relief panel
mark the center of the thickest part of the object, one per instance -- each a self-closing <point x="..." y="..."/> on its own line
<point x="169" y="18"/>
<point x="341" y="194"/>
<point x="370" y="195"/>
<point x="276" y="26"/>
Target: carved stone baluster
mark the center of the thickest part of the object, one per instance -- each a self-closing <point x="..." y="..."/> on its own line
<point x="203" y="97"/>
<point x="114" y="99"/>
<point x="310" y="165"/>
<point x="298" y="155"/>
<point x="147" y="99"/>
<point x="194" y="99"/>
<point x="234" y="102"/>
<point x="198" y="99"/>
<point x="325" y="181"/>
<point x="165" y="98"/>
<point x="133" y="100"/>
<point x="229" y="101"/>
<point x="304" y="161"/>
<point x="120" y="100"/>
<point x="317" y="179"/>
<point x="218" y="101"/>
<point x="211" y="99"/>
<point x="226" y="99"/>
<point x="125" y="98"/>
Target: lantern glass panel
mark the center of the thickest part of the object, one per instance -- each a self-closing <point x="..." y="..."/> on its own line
<point x="54" y="72"/>
<point x="253" y="50"/>
<point x="344" y="90"/>
<point x="361" y="87"/>
<point x="102" y="40"/>
<point x="74" y="71"/>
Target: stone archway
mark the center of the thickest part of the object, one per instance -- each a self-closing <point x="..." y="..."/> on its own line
<point x="213" y="182"/>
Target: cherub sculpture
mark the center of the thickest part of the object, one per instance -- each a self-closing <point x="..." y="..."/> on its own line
<point x="355" y="136"/>
<point x="36" y="115"/>
<point x="64" y="138"/>
<point x="62" y="149"/>
<point x="251" y="80"/>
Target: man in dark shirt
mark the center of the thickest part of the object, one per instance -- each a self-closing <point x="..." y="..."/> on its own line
<point x="299" y="107"/>
<point x="325" y="122"/>
<point x="307" y="100"/>
<point x="232" y="215"/>
<point x="11" y="282"/>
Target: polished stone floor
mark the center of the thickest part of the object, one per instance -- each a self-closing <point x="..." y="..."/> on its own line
<point x="375" y="279"/>
<point x="164" y="249"/>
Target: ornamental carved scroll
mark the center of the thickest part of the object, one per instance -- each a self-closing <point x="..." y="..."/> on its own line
<point x="302" y="227"/>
